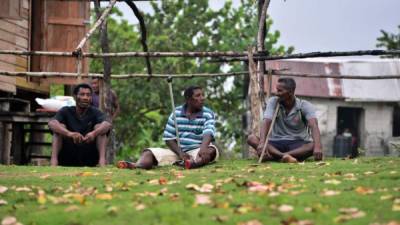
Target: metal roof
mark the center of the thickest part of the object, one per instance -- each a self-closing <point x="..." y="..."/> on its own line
<point x="349" y="89"/>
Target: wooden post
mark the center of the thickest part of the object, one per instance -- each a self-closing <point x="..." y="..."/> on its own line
<point x="105" y="90"/>
<point x="18" y="143"/>
<point x="255" y="104"/>
<point x="262" y="31"/>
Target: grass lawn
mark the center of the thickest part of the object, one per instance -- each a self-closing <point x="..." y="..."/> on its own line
<point x="360" y="191"/>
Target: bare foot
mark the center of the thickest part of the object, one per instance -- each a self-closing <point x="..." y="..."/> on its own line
<point x="126" y="165"/>
<point x="289" y="159"/>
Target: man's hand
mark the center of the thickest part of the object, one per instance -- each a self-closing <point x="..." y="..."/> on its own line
<point x="89" y="137"/>
<point x="185" y="156"/>
<point x="260" y="148"/>
<point x="77" y="138"/>
<point x="317" y="153"/>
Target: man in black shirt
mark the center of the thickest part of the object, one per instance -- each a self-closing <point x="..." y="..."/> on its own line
<point x="80" y="132"/>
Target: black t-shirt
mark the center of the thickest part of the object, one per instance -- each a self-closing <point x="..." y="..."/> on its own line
<point x="82" y="124"/>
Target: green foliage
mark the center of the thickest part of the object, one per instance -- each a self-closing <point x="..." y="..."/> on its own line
<point x="389" y="41"/>
<point x="67" y="195"/>
<point x="181" y="26"/>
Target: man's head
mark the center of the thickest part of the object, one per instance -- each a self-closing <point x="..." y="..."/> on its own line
<point x="194" y="97"/>
<point x="95" y="85"/>
<point x="285" y="88"/>
<point x="83" y="95"/>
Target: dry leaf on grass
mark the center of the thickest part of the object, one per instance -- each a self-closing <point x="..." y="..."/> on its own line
<point x="333" y="181"/>
<point x="23" y="189"/>
<point x="112" y="210"/>
<point x="396" y="205"/>
<point x="140" y="207"/>
<point x="45" y="176"/>
<point x="202" y="199"/>
<point x="221" y="218"/>
<point x="205" y="188"/>
<point x="41" y="197"/>
<point x="10" y="220"/>
<point x="348" y="214"/>
<point x="87" y="174"/>
<point x="3" y="202"/>
<point x="330" y="193"/>
<point x="104" y="196"/>
<point x="251" y="222"/>
<point x="3" y="189"/>
<point x="285" y="208"/>
<point x="364" y="190"/>
<point x="294" y="221"/>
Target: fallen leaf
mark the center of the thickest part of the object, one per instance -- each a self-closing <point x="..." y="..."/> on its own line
<point x="3" y="202"/>
<point x="205" y="188"/>
<point x="71" y="208"/>
<point x="386" y="197"/>
<point x="162" y="181"/>
<point x="202" y="199"/>
<point x="369" y="173"/>
<point x="44" y="176"/>
<point x="104" y="196"/>
<point x="174" y="196"/>
<point x="333" y="181"/>
<point x="348" y="214"/>
<point x="285" y="208"/>
<point x="140" y="207"/>
<point x="87" y="174"/>
<point x="273" y="194"/>
<point x="251" y="222"/>
<point x="396" y="205"/>
<point x="3" y="189"/>
<point x="41" y="197"/>
<point x="220" y="218"/>
<point x="330" y="193"/>
<point x="23" y="189"/>
<point x="9" y="220"/>
<point x="364" y="190"/>
<point x="76" y="197"/>
<point x="393" y="172"/>
<point x="109" y="188"/>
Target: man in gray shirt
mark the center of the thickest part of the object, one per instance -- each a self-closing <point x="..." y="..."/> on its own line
<point x="290" y="139"/>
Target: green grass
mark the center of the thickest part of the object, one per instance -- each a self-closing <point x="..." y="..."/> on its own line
<point x="371" y="185"/>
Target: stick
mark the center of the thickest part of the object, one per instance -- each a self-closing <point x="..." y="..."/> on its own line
<point x="97" y="24"/>
<point x="169" y="80"/>
<point x="269" y="132"/>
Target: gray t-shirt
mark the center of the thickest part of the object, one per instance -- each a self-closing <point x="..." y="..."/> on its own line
<point x="290" y="126"/>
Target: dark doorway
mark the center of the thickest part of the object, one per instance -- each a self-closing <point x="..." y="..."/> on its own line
<point x="396" y="121"/>
<point x="348" y="121"/>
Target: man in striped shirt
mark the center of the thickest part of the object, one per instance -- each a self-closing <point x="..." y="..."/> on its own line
<point x="196" y="131"/>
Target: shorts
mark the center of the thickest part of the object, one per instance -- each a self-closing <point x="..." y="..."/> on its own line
<point x="84" y="154"/>
<point x="165" y="156"/>
<point x="287" y="145"/>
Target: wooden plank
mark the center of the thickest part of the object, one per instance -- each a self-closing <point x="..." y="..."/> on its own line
<point x="6" y="25"/>
<point x="25" y="4"/>
<point x="7" y="79"/>
<point x="8" y="46"/>
<point x="16" y="61"/>
<point x="41" y="87"/>
<point x="13" y="39"/>
<point x="8" y="87"/>
<point x="23" y="23"/>
<point x="66" y="21"/>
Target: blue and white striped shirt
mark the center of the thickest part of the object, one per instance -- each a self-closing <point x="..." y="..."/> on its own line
<point x="191" y="131"/>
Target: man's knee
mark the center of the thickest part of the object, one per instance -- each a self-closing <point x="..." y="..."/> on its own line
<point x="147" y="160"/>
<point x="252" y="140"/>
<point x="208" y="155"/>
